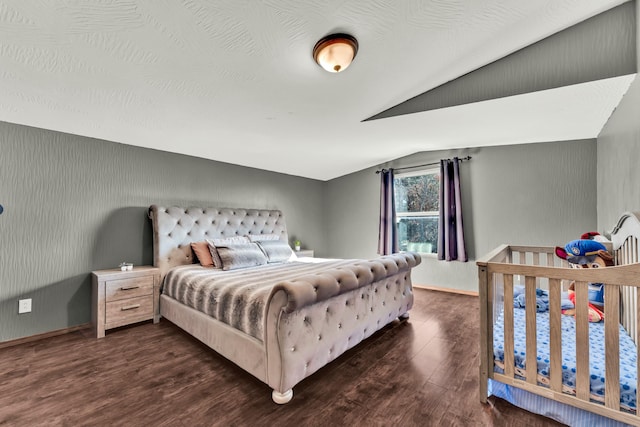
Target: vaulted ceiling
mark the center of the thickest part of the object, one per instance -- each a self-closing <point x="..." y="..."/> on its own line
<point x="234" y="81"/>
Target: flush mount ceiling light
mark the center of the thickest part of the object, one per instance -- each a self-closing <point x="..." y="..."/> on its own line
<point x="335" y="52"/>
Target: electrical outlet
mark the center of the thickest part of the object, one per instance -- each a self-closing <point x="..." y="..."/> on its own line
<point x="24" y="306"/>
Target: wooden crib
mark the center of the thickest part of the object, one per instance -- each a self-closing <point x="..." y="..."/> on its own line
<point x="538" y="267"/>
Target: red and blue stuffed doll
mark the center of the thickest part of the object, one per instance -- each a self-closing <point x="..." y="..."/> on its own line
<point x="587" y="253"/>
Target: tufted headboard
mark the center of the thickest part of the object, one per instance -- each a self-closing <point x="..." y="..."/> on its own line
<point x="175" y="228"/>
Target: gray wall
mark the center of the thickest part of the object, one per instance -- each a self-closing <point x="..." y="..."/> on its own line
<point x="521" y="194"/>
<point x="75" y="204"/>
<point x="618" y="155"/>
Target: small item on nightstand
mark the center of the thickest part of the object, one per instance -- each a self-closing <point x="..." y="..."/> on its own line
<point x="296" y="245"/>
<point x="126" y="266"/>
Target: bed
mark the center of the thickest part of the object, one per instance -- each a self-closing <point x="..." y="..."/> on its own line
<point x="280" y="321"/>
<point x="585" y="373"/>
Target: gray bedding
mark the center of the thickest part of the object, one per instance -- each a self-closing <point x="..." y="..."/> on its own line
<point x="238" y="297"/>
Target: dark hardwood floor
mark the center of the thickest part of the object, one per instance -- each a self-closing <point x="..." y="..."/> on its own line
<point x="421" y="372"/>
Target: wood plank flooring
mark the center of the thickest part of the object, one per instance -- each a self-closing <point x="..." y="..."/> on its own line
<point x="421" y="372"/>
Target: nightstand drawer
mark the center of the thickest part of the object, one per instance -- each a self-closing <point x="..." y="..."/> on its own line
<point x="129" y="310"/>
<point x="128" y="288"/>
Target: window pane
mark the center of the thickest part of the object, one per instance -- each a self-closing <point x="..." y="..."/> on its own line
<point x="418" y="233"/>
<point x="418" y="193"/>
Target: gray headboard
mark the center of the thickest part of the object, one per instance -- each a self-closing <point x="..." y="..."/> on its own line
<point x="175" y="228"/>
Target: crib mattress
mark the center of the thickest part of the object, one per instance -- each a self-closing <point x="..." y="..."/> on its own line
<point x="627" y="353"/>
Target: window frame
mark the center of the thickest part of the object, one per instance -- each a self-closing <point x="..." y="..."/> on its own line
<point x="424" y="214"/>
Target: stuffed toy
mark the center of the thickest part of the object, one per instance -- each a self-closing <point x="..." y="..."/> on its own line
<point x="587" y="252"/>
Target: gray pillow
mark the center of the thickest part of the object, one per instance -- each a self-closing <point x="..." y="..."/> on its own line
<point x="240" y="255"/>
<point x="276" y="250"/>
<point x="213" y="243"/>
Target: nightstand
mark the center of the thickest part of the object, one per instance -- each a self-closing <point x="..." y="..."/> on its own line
<point x="304" y="253"/>
<point x="120" y="298"/>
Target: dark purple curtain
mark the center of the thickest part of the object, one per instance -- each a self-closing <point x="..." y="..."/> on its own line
<point x="387" y="234"/>
<point x="450" y="232"/>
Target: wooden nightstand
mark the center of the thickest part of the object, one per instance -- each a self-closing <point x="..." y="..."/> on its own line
<point x="304" y="253"/>
<point x="120" y="298"/>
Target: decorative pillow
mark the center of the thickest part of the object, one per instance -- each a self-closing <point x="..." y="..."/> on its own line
<point x="276" y="251"/>
<point x="240" y="255"/>
<point x="213" y="243"/>
<point x="201" y="249"/>
<point x="263" y="237"/>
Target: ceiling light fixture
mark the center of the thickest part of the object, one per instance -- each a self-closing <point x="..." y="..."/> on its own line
<point x="335" y="52"/>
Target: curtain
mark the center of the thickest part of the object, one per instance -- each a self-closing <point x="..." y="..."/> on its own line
<point x="450" y="231"/>
<point x="387" y="234"/>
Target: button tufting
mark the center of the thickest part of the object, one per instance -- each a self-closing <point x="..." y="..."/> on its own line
<point x="293" y="349"/>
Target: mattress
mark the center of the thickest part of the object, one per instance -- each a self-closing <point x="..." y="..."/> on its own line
<point x="238" y="297"/>
<point x="627" y="353"/>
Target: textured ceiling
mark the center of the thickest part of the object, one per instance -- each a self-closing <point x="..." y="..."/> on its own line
<point x="234" y="80"/>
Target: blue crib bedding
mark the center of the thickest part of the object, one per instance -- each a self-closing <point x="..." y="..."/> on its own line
<point x="628" y="353"/>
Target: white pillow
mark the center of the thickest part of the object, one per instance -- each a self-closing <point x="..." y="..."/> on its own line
<point x="276" y="251"/>
<point x="263" y="237"/>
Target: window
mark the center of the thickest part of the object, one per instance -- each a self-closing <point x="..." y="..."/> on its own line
<point x="417" y="197"/>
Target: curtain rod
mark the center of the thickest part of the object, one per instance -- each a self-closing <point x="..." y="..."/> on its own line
<point x="419" y="166"/>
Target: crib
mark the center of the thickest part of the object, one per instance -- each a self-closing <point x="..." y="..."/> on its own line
<point x="568" y="371"/>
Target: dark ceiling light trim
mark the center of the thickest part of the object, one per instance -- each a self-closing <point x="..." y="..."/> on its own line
<point x="335" y="52"/>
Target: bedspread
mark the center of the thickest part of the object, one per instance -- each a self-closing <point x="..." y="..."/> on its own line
<point x="238" y="297"/>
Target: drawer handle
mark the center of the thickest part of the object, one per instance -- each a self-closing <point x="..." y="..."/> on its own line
<point x="130" y="307"/>
<point x="128" y="288"/>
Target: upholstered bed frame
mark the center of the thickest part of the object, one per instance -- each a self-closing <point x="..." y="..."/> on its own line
<point x="308" y="322"/>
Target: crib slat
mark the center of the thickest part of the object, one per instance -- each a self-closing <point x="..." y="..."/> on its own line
<point x="550" y="260"/>
<point x="536" y="261"/>
<point x="555" y="335"/>
<point x="522" y="257"/>
<point x="531" y="341"/>
<point x="509" y="362"/>
<point x="582" y="341"/>
<point x="612" y="349"/>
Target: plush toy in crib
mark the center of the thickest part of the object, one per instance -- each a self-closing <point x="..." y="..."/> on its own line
<point x="587" y="252"/>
